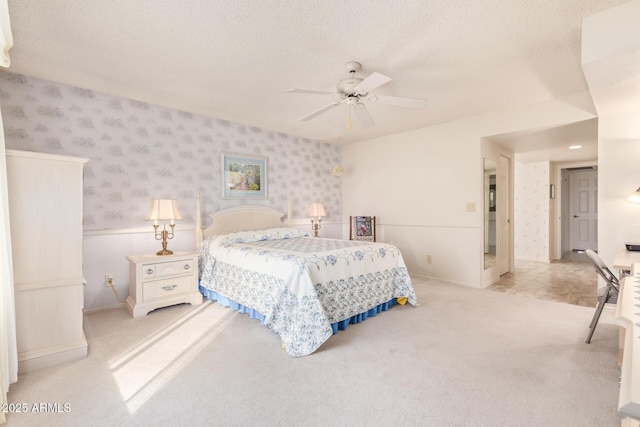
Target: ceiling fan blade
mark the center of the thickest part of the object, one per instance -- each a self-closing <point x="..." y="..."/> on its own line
<point x="311" y="92"/>
<point x="320" y="111"/>
<point x="374" y="80"/>
<point x="398" y="101"/>
<point x="365" y="119"/>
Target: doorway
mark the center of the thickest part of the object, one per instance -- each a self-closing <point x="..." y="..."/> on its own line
<point x="577" y="209"/>
<point x="568" y="279"/>
<point x="583" y="210"/>
<point x="498" y="210"/>
<point x="503" y="220"/>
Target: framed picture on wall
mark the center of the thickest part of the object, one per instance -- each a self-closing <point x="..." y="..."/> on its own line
<point x="362" y="228"/>
<point x="244" y="176"/>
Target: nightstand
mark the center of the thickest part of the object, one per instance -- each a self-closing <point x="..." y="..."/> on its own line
<point x="162" y="280"/>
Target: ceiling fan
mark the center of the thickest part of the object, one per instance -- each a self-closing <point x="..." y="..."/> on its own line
<point x="353" y="90"/>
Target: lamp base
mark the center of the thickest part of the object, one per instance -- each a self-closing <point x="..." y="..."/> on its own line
<point x="315" y="226"/>
<point x="164" y="252"/>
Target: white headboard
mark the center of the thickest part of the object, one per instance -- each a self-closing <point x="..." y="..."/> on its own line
<point x="239" y="218"/>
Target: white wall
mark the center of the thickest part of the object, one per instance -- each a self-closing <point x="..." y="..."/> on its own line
<point x="405" y="180"/>
<point x="611" y="60"/>
<point x="619" y="175"/>
<point x="419" y="184"/>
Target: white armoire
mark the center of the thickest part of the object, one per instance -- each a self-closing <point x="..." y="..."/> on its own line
<point x="45" y="213"/>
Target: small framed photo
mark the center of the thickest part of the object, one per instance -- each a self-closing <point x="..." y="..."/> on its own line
<point x="363" y="228"/>
<point x="243" y="176"/>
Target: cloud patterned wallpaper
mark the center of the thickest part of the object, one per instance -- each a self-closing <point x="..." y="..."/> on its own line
<point x="531" y="211"/>
<point x="138" y="151"/>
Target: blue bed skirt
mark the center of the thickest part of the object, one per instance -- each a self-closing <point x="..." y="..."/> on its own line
<point x="337" y="326"/>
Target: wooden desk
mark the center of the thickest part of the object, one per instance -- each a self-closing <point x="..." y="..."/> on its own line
<point x="628" y="317"/>
<point x="625" y="259"/>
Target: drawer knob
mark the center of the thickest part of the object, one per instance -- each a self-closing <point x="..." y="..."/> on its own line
<point x="169" y="287"/>
<point x="187" y="266"/>
<point x="149" y="271"/>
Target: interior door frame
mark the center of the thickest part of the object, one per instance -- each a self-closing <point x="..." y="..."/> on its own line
<point x="577" y="239"/>
<point x="494" y="152"/>
<point x="504" y="220"/>
<point x="556" y="206"/>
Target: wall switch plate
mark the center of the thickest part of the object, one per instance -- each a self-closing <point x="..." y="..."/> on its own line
<point x="471" y="206"/>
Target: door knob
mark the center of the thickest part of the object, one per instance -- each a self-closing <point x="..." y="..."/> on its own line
<point x="576" y="216"/>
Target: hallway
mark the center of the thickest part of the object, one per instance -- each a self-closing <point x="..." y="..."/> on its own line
<point x="570" y="280"/>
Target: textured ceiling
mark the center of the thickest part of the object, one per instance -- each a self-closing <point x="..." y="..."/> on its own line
<point x="234" y="59"/>
<point x="539" y="145"/>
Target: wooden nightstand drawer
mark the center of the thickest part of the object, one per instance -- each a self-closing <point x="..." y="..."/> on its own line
<point x="166" y="269"/>
<point x="166" y="288"/>
<point x="159" y="281"/>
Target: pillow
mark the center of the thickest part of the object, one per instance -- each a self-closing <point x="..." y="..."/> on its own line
<point x="276" y="233"/>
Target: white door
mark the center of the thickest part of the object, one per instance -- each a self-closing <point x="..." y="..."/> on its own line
<point x="583" y="210"/>
<point x="503" y="228"/>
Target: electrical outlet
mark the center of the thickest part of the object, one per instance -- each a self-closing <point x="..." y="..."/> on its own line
<point x="428" y="259"/>
<point x="109" y="280"/>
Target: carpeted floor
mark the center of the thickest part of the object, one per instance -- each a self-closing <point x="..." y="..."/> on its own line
<point x="463" y="357"/>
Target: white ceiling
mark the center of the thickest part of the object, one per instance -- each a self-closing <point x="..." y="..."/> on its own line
<point x="234" y="59"/>
<point x="539" y="145"/>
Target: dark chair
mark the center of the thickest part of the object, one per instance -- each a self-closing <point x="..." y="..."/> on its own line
<point x="606" y="294"/>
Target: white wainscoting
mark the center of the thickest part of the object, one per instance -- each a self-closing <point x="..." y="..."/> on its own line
<point x="105" y="251"/>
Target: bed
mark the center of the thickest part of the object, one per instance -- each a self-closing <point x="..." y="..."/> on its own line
<point x="303" y="288"/>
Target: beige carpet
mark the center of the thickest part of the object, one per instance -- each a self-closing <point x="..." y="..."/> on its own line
<point x="464" y="357"/>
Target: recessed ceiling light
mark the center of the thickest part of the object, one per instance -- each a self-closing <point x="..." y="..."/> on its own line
<point x="574" y="147"/>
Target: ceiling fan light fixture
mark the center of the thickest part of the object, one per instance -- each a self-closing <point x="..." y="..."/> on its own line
<point x="352" y="101"/>
<point x="354" y="89"/>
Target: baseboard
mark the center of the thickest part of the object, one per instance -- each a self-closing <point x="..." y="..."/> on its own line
<point x="490" y="282"/>
<point x="97" y="309"/>
<point x="448" y="282"/>
<point x="34" y="360"/>
<point x="544" y="261"/>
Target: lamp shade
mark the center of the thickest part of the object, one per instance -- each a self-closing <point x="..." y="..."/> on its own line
<point x="634" y="197"/>
<point x="163" y="210"/>
<point x="316" y="210"/>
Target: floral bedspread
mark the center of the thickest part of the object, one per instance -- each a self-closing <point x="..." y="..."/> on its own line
<point x="302" y="284"/>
